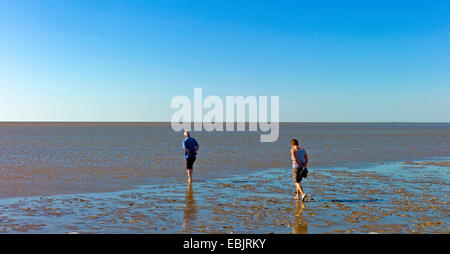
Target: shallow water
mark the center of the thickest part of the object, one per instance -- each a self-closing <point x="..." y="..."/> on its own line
<point x="401" y="197"/>
<point x="84" y="177"/>
<point x="64" y="158"/>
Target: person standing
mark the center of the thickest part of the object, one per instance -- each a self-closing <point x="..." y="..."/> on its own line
<point x="299" y="163"/>
<point x="191" y="147"/>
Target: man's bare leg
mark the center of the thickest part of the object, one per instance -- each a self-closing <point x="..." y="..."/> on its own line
<point x="189" y="171"/>
<point x="299" y="191"/>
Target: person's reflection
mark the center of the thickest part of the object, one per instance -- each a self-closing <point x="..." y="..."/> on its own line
<point x="300" y="224"/>
<point x="190" y="209"/>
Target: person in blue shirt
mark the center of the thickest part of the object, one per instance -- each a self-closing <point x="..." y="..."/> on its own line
<point x="299" y="163"/>
<point x="191" y="147"/>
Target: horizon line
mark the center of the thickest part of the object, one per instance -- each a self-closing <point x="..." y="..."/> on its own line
<point x="330" y="122"/>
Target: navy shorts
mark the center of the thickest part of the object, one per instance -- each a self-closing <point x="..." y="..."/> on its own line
<point x="190" y="162"/>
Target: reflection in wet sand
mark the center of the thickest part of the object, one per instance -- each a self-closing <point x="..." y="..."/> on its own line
<point x="388" y="198"/>
<point x="190" y="209"/>
<point x="300" y="224"/>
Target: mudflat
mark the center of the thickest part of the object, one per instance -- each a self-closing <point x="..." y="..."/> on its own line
<point x="130" y="178"/>
<point x="403" y="197"/>
<point x="63" y="158"/>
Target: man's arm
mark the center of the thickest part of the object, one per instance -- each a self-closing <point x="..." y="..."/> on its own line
<point x="295" y="158"/>
<point x="185" y="148"/>
<point x="306" y="159"/>
<point x="197" y="147"/>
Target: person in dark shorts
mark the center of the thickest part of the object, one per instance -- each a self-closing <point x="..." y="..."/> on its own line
<point x="299" y="171"/>
<point x="191" y="147"/>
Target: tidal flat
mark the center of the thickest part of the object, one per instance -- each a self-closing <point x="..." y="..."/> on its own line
<point x="397" y="197"/>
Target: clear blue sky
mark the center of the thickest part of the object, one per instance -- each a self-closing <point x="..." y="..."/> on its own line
<point x="88" y="60"/>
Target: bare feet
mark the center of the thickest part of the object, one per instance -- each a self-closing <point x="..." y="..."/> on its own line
<point x="303" y="197"/>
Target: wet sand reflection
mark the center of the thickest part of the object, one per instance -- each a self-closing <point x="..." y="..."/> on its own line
<point x="389" y="198"/>
<point x="190" y="209"/>
<point x="300" y="224"/>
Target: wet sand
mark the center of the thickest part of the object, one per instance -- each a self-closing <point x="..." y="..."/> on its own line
<point x="65" y="158"/>
<point x="401" y="197"/>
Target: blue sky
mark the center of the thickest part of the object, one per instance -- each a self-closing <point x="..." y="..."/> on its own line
<point x="329" y="61"/>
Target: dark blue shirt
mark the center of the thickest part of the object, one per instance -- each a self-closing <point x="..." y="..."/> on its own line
<point x="189" y="143"/>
